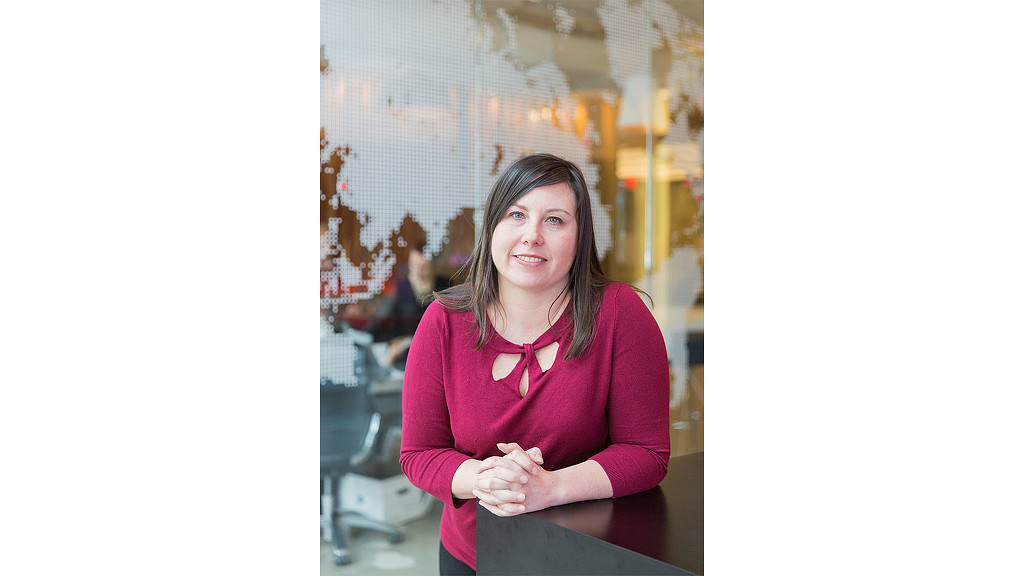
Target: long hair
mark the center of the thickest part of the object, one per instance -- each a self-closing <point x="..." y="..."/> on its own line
<point x="586" y="278"/>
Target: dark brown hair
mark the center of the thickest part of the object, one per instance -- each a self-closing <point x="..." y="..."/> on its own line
<point x="586" y="278"/>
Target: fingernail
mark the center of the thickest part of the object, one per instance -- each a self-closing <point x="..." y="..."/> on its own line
<point x="523" y="479"/>
<point x="521" y="497"/>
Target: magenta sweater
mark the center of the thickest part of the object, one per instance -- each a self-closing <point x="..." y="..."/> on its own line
<point x="609" y="405"/>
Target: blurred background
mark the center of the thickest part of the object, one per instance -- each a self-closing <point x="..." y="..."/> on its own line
<point x="423" y="103"/>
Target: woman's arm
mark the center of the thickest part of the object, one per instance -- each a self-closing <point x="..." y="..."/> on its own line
<point x="636" y="458"/>
<point x="428" y="456"/>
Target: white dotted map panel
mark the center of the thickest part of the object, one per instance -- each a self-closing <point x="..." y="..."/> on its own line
<point x="425" y="108"/>
<point x="426" y="116"/>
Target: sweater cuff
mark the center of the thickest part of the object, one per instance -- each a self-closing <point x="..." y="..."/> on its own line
<point x="441" y="486"/>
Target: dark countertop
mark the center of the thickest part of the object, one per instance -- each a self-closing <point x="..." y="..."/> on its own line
<point x="660" y="531"/>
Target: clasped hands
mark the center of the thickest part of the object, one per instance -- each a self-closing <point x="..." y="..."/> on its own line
<point x="514" y="483"/>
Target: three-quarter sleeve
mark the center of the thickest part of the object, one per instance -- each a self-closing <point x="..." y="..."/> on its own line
<point x="428" y="456"/>
<point x="638" y="404"/>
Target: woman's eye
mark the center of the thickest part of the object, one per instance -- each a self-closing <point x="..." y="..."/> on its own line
<point x="554" y="219"/>
<point x="517" y="215"/>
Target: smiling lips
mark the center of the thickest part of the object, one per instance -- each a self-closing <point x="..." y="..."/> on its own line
<point x="530" y="259"/>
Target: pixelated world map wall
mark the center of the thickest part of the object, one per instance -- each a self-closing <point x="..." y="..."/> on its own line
<point x="422" y="108"/>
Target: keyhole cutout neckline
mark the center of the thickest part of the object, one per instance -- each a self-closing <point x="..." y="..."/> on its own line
<point x="527" y="370"/>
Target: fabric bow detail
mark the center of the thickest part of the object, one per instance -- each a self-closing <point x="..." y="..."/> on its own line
<point x="529" y="355"/>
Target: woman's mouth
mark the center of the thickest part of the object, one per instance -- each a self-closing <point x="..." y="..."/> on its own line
<point x="530" y="259"/>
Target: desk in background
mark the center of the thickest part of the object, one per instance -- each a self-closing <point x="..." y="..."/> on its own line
<point x="660" y="531"/>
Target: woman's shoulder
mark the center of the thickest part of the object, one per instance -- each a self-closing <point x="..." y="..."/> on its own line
<point x="625" y="311"/>
<point x="436" y="311"/>
<point x="448" y="325"/>
<point x="615" y="287"/>
<point x="622" y="300"/>
<point x="619" y="293"/>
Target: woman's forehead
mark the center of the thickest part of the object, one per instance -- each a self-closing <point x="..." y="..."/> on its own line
<point x="559" y="194"/>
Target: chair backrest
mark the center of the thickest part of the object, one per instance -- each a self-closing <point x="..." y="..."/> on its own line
<point x="349" y="423"/>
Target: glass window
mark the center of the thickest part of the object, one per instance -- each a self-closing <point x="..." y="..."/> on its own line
<point x="424" y="103"/>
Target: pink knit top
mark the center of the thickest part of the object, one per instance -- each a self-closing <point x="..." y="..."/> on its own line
<point x="609" y="405"/>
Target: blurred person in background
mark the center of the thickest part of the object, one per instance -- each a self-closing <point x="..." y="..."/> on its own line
<point x="412" y="294"/>
<point x="539" y="381"/>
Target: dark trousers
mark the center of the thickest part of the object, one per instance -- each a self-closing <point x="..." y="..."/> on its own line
<point x="452" y="566"/>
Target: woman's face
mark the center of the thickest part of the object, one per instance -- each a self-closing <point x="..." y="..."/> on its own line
<point x="534" y="243"/>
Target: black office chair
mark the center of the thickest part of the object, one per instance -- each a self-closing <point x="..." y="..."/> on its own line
<point x="349" y="430"/>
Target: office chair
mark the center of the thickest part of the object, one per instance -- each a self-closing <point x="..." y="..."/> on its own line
<point x="349" y="430"/>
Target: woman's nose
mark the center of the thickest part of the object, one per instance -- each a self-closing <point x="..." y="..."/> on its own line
<point x="532" y="235"/>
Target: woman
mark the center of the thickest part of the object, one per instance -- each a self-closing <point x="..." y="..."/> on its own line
<point x="537" y="349"/>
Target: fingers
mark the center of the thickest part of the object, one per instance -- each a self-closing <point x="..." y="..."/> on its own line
<point x="492" y="502"/>
<point x="492" y="484"/>
<point x="534" y="452"/>
<point x="508" y="496"/>
<point x="519" y="456"/>
<point x="507" y="447"/>
<point x="513" y="510"/>
<point x="507" y="468"/>
<point x="502" y="496"/>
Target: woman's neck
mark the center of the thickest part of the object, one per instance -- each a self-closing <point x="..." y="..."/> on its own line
<point x="522" y="317"/>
